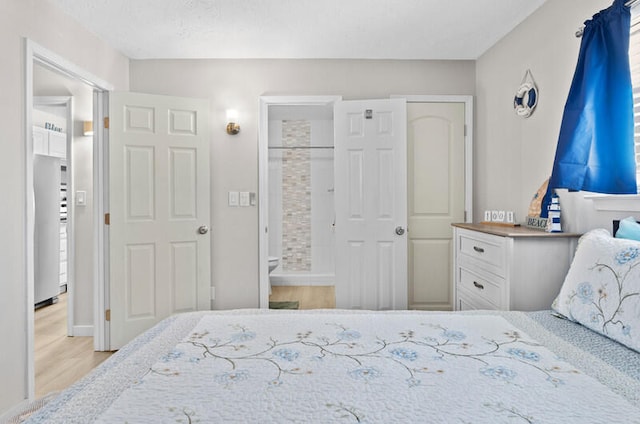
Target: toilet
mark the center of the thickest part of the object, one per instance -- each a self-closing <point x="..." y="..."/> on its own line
<point x="273" y="263"/>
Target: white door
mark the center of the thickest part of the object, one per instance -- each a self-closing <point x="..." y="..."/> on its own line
<point x="371" y="204"/>
<point x="159" y="199"/>
<point x="436" y="168"/>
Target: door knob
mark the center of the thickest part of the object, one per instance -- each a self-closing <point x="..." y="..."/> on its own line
<point x="399" y="231"/>
<point x="203" y="229"/>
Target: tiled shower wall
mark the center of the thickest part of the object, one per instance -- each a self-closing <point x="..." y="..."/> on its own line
<point x="296" y="196"/>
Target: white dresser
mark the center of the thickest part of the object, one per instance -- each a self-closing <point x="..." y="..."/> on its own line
<point x="509" y="268"/>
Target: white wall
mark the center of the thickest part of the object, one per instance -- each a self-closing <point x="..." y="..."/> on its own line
<point x="47" y="26"/>
<point x="513" y="156"/>
<point x="83" y="226"/>
<point x="234" y="159"/>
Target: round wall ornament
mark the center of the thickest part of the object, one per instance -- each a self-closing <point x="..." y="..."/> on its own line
<point x="526" y="98"/>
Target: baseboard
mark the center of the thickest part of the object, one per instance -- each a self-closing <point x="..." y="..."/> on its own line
<point x="300" y="283"/>
<point x="14" y="411"/>
<point x="83" y="330"/>
<point x="302" y="279"/>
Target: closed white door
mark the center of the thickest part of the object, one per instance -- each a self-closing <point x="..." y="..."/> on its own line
<point x="436" y="168"/>
<point x="159" y="210"/>
<point x="371" y="204"/>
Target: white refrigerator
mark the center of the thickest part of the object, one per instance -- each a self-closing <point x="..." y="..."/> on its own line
<point x="46" y="185"/>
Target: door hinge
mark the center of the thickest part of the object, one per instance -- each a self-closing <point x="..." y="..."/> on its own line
<point x="107" y="315"/>
<point x="107" y="219"/>
<point x="106" y="122"/>
<point x="465" y="130"/>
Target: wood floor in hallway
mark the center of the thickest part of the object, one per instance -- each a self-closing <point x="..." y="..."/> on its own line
<point x="309" y="297"/>
<point x="60" y="361"/>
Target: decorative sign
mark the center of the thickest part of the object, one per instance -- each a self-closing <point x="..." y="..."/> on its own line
<point x="536" y="223"/>
<point x="500" y="218"/>
<point x="535" y="208"/>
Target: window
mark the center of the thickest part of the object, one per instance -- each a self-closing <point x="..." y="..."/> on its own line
<point x="634" y="62"/>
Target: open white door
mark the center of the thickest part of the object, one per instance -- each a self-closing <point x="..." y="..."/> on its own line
<point x="371" y="204"/>
<point x="159" y="210"/>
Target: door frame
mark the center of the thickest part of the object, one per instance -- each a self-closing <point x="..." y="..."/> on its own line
<point x="263" y="180"/>
<point x="468" y="139"/>
<point x="34" y="52"/>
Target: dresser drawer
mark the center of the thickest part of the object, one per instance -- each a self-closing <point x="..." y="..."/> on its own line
<point x="483" y="287"/>
<point x="486" y="249"/>
<point x="468" y="302"/>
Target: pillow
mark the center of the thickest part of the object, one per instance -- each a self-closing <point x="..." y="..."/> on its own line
<point x="629" y="229"/>
<point x="602" y="288"/>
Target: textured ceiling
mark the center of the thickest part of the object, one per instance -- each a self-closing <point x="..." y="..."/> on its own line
<point x="317" y="29"/>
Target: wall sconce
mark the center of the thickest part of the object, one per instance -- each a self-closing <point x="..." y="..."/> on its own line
<point x="232" y="119"/>
<point x="87" y="128"/>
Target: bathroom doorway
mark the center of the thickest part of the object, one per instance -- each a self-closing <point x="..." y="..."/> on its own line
<point x="297" y="217"/>
<point x="333" y="212"/>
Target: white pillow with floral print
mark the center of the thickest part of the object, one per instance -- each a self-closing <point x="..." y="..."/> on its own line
<point x="602" y="288"/>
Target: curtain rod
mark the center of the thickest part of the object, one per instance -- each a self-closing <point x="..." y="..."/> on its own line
<point x="629" y="4"/>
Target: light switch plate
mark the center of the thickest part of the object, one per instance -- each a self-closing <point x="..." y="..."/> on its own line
<point x="234" y="198"/>
<point x="81" y="198"/>
<point x="244" y="198"/>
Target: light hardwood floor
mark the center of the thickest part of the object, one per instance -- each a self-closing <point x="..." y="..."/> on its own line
<point x="60" y="360"/>
<point x="309" y="297"/>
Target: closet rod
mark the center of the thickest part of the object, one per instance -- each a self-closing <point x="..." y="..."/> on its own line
<point x="629" y="4"/>
<point x="299" y="147"/>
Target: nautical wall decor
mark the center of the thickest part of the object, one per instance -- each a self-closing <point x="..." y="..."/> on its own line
<point x="534" y="219"/>
<point x="526" y="98"/>
<point x="553" y="221"/>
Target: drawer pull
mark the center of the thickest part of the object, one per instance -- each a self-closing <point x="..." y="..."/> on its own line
<point x="478" y="249"/>
<point x="478" y="285"/>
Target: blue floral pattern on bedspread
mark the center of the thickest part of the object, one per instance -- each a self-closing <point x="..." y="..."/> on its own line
<point x="363" y="368"/>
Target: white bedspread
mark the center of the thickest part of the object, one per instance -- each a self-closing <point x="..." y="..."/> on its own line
<point x="365" y="367"/>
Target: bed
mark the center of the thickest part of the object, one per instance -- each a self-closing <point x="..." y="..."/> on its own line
<point x="382" y="367"/>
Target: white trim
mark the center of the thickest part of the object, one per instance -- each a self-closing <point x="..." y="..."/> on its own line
<point x="101" y="340"/>
<point x="302" y="279"/>
<point x="263" y="180"/>
<point x="14" y="411"/>
<point x="29" y="220"/>
<point x="35" y="52"/>
<point x="468" y="139"/>
<point x="62" y="65"/>
<point x="615" y="202"/>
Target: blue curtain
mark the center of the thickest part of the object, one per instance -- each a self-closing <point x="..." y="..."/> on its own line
<point x="595" y="148"/>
